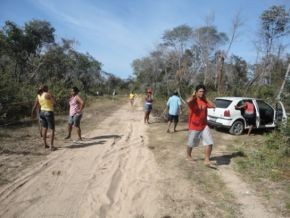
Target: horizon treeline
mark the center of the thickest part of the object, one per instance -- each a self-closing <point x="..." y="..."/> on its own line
<point x="188" y="56"/>
<point x="31" y="56"/>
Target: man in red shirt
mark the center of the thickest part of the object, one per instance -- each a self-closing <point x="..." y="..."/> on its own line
<point x="197" y="122"/>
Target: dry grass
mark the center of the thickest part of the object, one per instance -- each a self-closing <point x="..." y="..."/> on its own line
<point x="203" y="194"/>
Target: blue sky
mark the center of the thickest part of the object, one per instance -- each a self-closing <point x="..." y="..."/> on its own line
<point x="116" y="32"/>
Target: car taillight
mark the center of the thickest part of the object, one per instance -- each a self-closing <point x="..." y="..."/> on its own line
<point x="227" y="113"/>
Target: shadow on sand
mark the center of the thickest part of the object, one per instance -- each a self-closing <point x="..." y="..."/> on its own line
<point x="104" y="137"/>
<point x="84" y="144"/>
<point x="92" y="141"/>
<point x="226" y="159"/>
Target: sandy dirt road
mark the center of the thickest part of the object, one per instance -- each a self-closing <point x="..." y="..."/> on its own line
<point x="110" y="174"/>
<point x="115" y="173"/>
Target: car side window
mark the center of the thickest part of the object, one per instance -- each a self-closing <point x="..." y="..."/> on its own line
<point x="240" y="103"/>
<point x="222" y="103"/>
<point x="264" y="106"/>
<point x="266" y="112"/>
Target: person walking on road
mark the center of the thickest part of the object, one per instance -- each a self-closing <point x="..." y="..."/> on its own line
<point x="77" y="105"/>
<point x="36" y="108"/>
<point x="46" y="103"/>
<point x="132" y="98"/>
<point x="197" y="123"/>
<point x="174" y="110"/>
<point x="148" y="105"/>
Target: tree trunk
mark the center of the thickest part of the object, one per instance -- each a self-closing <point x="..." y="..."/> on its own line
<point x="167" y="87"/>
<point x="220" y="73"/>
<point x="283" y="84"/>
<point x="206" y="73"/>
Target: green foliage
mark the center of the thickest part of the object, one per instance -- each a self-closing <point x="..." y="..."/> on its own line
<point x="178" y="35"/>
<point x="239" y="70"/>
<point x="275" y="21"/>
<point x="263" y="92"/>
<point x="30" y="55"/>
<point x="210" y="38"/>
<point x="270" y="158"/>
<point x="187" y="56"/>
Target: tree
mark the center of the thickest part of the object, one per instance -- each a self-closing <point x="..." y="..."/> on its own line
<point x="37" y="34"/>
<point x="221" y="55"/>
<point x="274" y="25"/>
<point x="208" y="39"/>
<point x="23" y="44"/>
<point x="238" y="72"/>
<point x="179" y="38"/>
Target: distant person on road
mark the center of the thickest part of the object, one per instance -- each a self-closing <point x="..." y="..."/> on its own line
<point x="46" y="102"/>
<point x="197" y="123"/>
<point x="114" y="94"/>
<point x="132" y="96"/>
<point x="76" y="106"/>
<point x="174" y="109"/>
<point x="148" y="105"/>
<point x="36" y="108"/>
<point x="249" y="113"/>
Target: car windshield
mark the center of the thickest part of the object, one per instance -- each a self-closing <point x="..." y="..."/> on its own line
<point x="222" y="103"/>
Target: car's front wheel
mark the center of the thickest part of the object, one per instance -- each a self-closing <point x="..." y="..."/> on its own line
<point x="237" y="128"/>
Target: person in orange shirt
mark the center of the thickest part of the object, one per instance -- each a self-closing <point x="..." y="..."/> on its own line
<point x="249" y="113"/>
<point x="197" y="123"/>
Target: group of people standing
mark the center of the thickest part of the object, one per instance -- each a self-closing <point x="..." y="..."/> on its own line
<point x="45" y="104"/>
<point x="197" y="103"/>
<point x="197" y="121"/>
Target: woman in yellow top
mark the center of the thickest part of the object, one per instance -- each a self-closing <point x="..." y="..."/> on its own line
<point x="131" y="98"/>
<point x="46" y="102"/>
<point x="36" y="108"/>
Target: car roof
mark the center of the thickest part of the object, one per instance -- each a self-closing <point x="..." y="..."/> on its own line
<point x="234" y="98"/>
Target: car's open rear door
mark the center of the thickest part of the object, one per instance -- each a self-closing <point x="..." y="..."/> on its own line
<point x="280" y="115"/>
<point x="258" y="118"/>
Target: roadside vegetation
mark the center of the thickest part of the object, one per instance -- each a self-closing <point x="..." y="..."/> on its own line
<point x="263" y="160"/>
<point x="185" y="56"/>
<point x="266" y="164"/>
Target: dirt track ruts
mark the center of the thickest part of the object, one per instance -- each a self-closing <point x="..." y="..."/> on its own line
<point x="109" y="174"/>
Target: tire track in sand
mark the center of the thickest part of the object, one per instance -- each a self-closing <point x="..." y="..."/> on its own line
<point x="111" y="174"/>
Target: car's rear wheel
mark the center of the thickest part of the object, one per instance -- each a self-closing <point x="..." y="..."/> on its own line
<point x="237" y="128"/>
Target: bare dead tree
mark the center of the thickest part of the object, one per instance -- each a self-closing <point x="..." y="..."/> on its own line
<point x="220" y="72"/>
<point x="283" y="84"/>
<point x="237" y="23"/>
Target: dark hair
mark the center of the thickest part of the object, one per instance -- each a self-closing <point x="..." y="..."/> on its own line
<point x="44" y="88"/>
<point x="75" y="89"/>
<point x="175" y="93"/>
<point x="39" y="90"/>
<point x="200" y="86"/>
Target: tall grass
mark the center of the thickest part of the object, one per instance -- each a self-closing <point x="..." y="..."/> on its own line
<point x="267" y="164"/>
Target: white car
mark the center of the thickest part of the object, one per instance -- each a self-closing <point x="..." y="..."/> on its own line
<point x="226" y="116"/>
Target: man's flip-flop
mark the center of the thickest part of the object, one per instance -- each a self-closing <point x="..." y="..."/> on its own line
<point x="209" y="165"/>
<point x="53" y="148"/>
<point x="190" y="160"/>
